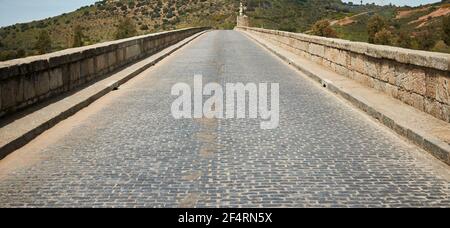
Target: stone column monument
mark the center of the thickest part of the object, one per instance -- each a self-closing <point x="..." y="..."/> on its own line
<point x="242" y="19"/>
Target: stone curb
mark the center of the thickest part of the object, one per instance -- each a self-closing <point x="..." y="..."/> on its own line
<point x="25" y="137"/>
<point x="431" y="144"/>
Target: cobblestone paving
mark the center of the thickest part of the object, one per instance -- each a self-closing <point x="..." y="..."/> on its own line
<point x="134" y="154"/>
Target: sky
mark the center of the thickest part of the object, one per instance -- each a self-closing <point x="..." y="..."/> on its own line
<point x="19" y="11"/>
<point x="395" y="2"/>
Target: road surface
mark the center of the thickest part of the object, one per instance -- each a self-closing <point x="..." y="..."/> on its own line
<point x="126" y="150"/>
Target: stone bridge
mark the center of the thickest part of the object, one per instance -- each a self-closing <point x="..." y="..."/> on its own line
<point x="360" y="125"/>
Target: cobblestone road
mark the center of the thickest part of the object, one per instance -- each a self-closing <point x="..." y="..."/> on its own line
<point x="132" y="153"/>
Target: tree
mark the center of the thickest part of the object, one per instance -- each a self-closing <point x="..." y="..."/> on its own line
<point x="383" y="37"/>
<point x="403" y="40"/>
<point x="323" y="28"/>
<point x="44" y="42"/>
<point x="375" y="25"/>
<point x="78" y="36"/>
<point x="21" y="53"/>
<point x="440" y="46"/>
<point x="425" y="39"/>
<point x="446" y="27"/>
<point x="144" y="27"/>
<point x="7" y="55"/>
<point x="287" y="27"/>
<point x="125" y="29"/>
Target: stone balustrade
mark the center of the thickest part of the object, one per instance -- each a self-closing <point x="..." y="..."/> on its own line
<point x="28" y="81"/>
<point x="418" y="78"/>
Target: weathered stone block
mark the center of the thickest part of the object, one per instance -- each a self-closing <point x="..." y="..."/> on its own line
<point x="29" y="86"/>
<point x="358" y="63"/>
<point x="333" y="66"/>
<point x="84" y="68"/>
<point x="379" y="85"/>
<point x="331" y="54"/>
<point x="316" y="49"/>
<point x="391" y="90"/>
<point x="363" y="79"/>
<point x="20" y="90"/>
<point x="301" y="45"/>
<point x="120" y="55"/>
<point x="434" y="108"/>
<point x="66" y="75"/>
<point x="100" y="63"/>
<point x="327" y="63"/>
<point x="342" y="70"/>
<point x="290" y="48"/>
<point x="132" y="51"/>
<point x="91" y="66"/>
<point x="446" y="112"/>
<point x="43" y="83"/>
<point x="387" y="72"/>
<point x="149" y="46"/>
<point x="316" y="59"/>
<point x="411" y="79"/>
<point x="56" y="80"/>
<point x="284" y="40"/>
<point x="9" y="90"/>
<point x="75" y="71"/>
<point x="443" y="89"/>
<point x="373" y="68"/>
<point x="413" y="99"/>
<point x="298" y="52"/>
<point x="431" y="81"/>
<point x="291" y="42"/>
<point x="112" y="60"/>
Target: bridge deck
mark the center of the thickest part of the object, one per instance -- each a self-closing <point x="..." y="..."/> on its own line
<point x="127" y="150"/>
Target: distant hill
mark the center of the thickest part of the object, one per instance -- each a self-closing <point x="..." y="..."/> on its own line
<point x="99" y="22"/>
<point x="297" y="15"/>
<point x="423" y="25"/>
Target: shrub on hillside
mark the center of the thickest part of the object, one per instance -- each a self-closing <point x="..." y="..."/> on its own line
<point x="7" y="55"/>
<point x="383" y="37"/>
<point x="125" y="29"/>
<point x="43" y="43"/>
<point x="323" y="28"/>
<point x="144" y="27"/>
<point x="403" y="40"/>
<point x="446" y="29"/>
<point x="425" y="39"/>
<point x="375" y="25"/>
<point x="78" y="36"/>
<point x="441" y="46"/>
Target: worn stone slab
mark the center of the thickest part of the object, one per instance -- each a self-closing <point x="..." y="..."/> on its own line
<point x="426" y="131"/>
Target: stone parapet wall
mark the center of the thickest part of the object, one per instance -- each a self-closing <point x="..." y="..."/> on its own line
<point x="418" y="78"/>
<point x="27" y="81"/>
<point x="243" y="21"/>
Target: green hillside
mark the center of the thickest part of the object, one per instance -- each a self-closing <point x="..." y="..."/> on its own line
<point x="411" y="27"/>
<point x="100" y="22"/>
<point x="296" y="15"/>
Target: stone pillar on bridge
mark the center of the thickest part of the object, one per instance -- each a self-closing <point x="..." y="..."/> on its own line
<point x="242" y="19"/>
